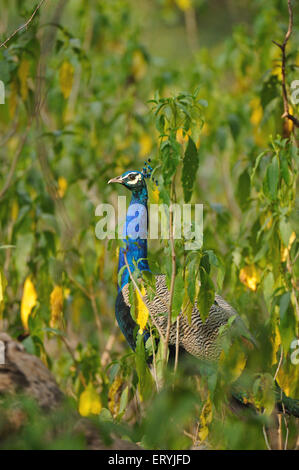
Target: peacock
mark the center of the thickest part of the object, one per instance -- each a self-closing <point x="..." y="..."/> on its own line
<point x="197" y="338"/>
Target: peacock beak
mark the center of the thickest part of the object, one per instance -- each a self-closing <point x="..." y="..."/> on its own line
<point x="118" y="179"/>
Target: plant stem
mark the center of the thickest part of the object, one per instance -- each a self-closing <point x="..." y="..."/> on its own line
<point x="173" y="270"/>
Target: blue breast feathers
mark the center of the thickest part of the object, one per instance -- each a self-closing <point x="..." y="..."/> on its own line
<point x="135" y="238"/>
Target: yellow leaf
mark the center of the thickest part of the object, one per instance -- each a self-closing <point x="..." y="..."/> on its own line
<point x="154" y="194"/>
<point x="29" y="301"/>
<point x="203" y="433"/>
<point x="14" y="210"/>
<point x="206" y="129"/>
<point x="276" y="342"/>
<point x="276" y="69"/>
<point x="233" y="362"/>
<point x="267" y="217"/>
<point x="113" y="400"/>
<point x="66" y="292"/>
<point x="288" y="378"/>
<point x="257" y="111"/>
<point x="62" y="186"/>
<point x="56" y="303"/>
<point x="291" y="240"/>
<point x="288" y="123"/>
<point x="89" y="401"/>
<point x="141" y="310"/>
<point x="249" y="276"/>
<point x="66" y="78"/>
<point x="139" y="65"/>
<point x="286" y="250"/>
<point x="23" y="73"/>
<point x="239" y="365"/>
<point x="205" y="419"/>
<point x="182" y="136"/>
<point x="145" y="144"/>
<point x="184" y="4"/>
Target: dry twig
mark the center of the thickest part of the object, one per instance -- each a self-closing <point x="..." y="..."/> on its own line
<point x="286" y="114"/>
<point x="23" y="26"/>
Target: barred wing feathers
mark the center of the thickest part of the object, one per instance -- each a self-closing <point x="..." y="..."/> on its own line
<point x="198" y="338"/>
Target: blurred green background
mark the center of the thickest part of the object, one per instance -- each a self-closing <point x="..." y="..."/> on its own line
<point x="76" y="114"/>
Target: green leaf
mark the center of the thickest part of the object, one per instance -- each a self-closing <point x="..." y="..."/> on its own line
<point x="191" y="278"/>
<point x="160" y="361"/>
<point x="206" y="294"/>
<point x="269" y="90"/>
<point x="284" y="305"/>
<point x="272" y="178"/>
<point x="170" y="154"/>
<point x="268" y="285"/>
<point x="257" y="162"/>
<point x="143" y="372"/>
<point x="243" y="189"/>
<point x="205" y="262"/>
<point x="285" y="231"/>
<point x="160" y="123"/>
<point x="234" y="124"/>
<point x="177" y="296"/>
<point x="123" y="402"/>
<point x="285" y="170"/>
<point x="287" y="325"/>
<point x="190" y="166"/>
<point x="22" y="252"/>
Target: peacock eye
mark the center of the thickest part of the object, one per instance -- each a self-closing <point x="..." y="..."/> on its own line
<point x="132" y="177"/>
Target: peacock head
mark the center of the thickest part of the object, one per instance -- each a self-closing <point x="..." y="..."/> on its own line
<point x="135" y="181"/>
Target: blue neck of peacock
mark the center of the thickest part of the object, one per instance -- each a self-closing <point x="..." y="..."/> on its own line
<point x="135" y="237"/>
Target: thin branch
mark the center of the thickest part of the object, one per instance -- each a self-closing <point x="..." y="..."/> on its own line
<point x="154" y="361"/>
<point x="71" y="352"/>
<point x="173" y="272"/>
<point x="106" y="353"/>
<point x="266" y="438"/>
<point x="283" y="408"/>
<point x="91" y="296"/>
<point x="279" y="364"/>
<point x="23" y="26"/>
<point x="82" y="288"/>
<point x="96" y="312"/>
<point x="285" y="447"/>
<point x="177" y="343"/>
<point x="286" y="114"/>
<point x="143" y="298"/>
<point x="292" y="118"/>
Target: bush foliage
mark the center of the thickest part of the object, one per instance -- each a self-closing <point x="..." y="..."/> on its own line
<point x="92" y="89"/>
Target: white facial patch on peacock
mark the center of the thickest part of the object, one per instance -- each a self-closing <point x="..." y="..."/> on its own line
<point x="135" y="180"/>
